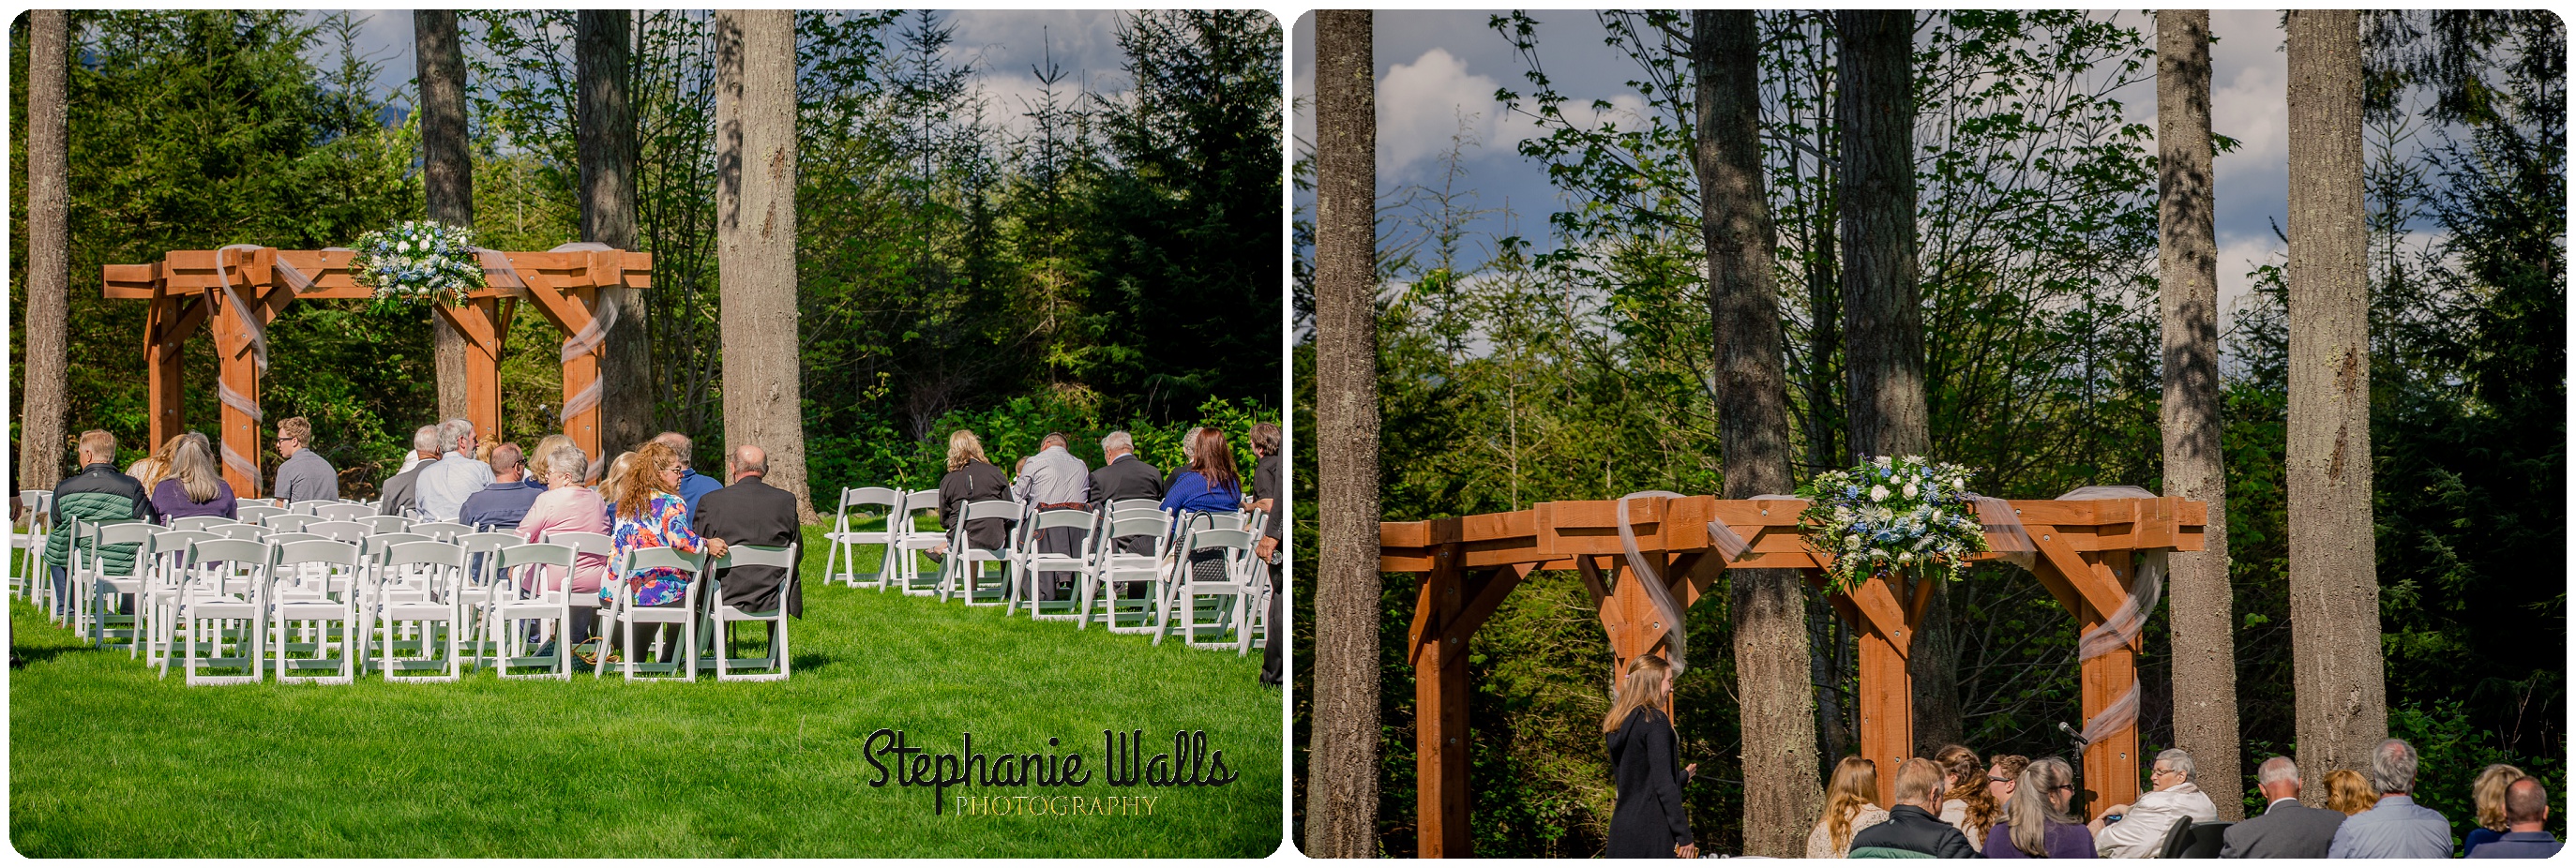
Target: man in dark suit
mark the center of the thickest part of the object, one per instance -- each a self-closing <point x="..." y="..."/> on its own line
<point x="1123" y="476"/>
<point x="400" y="492"/>
<point x="2287" y="829"/>
<point x="751" y="513"/>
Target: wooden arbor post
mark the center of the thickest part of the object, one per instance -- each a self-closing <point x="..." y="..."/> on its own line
<point x="188" y="288"/>
<point x="1470" y="564"/>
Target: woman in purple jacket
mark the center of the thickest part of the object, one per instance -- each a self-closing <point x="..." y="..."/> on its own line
<point x="193" y="487"/>
<point x="2036" y="825"/>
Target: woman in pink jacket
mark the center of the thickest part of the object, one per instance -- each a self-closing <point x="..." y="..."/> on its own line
<point x="566" y="506"/>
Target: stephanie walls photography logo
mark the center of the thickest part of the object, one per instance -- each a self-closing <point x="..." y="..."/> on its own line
<point x="1123" y="764"/>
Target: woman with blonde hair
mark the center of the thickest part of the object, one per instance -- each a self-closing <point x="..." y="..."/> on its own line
<point x="970" y="478"/>
<point x="2035" y="823"/>
<point x="1967" y="805"/>
<point x="2488" y="792"/>
<point x="191" y="486"/>
<point x="1648" y="821"/>
<point x="151" y="469"/>
<point x="2349" y="792"/>
<point x="1850" y="806"/>
<point x="651" y="514"/>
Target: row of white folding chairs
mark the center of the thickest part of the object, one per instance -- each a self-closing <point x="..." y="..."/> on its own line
<point x="1102" y="563"/>
<point x="26" y="566"/>
<point x="435" y="585"/>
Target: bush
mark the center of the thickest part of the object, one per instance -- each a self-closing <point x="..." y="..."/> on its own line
<point x="878" y="453"/>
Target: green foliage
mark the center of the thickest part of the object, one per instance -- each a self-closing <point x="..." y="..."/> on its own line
<point x="588" y="768"/>
<point x="2451" y="750"/>
<point x="879" y="454"/>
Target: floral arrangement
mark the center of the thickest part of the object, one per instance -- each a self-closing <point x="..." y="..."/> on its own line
<point x="1891" y="515"/>
<point x="418" y="260"/>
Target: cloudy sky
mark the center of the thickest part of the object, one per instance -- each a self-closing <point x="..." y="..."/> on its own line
<point x="1005" y="46"/>
<point x="1434" y="68"/>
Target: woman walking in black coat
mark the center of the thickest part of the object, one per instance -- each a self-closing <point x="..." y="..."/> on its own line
<point x="1648" y="822"/>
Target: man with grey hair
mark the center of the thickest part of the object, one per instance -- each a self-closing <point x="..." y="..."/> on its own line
<point x="445" y="484"/>
<point x="2286" y="829"/>
<point x="399" y="492"/>
<point x="1052" y="480"/>
<point x="2397" y="827"/>
<point x="2140" y="831"/>
<point x="693" y="485"/>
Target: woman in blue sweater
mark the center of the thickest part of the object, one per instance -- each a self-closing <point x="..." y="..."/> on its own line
<point x="1209" y="485"/>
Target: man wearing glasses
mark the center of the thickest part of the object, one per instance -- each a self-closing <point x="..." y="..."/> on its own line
<point x="2140" y="831"/>
<point x="304" y="475"/>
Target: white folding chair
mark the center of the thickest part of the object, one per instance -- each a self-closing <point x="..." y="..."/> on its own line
<point x="623" y="612"/>
<point x="212" y="614"/>
<point x="27" y="548"/>
<point x="419" y="588"/>
<point x="443" y="531"/>
<point x="254" y="514"/>
<point x="202" y="522"/>
<point x="160" y="598"/>
<point x="1181" y="603"/>
<point x="907" y="540"/>
<point x="1028" y="563"/>
<point x="721" y="615"/>
<point x="963" y="573"/>
<point x="846" y="542"/>
<point x="99" y="588"/>
<point x="384" y="523"/>
<point x="585" y="543"/>
<point x="329" y="510"/>
<point x="302" y="611"/>
<point x="524" y="602"/>
<point x="477" y="594"/>
<point x="289" y="521"/>
<point x="1113" y="565"/>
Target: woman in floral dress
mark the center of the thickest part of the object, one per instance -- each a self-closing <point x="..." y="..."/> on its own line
<point x="650" y="513"/>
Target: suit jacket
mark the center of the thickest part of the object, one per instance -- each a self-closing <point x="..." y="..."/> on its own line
<point x="1265" y="484"/>
<point x="398" y="490"/>
<point x="1126" y="478"/>
<point x="752" y="513"/>
<point x="2286" y="830"/>
<point x="975" y="481"/>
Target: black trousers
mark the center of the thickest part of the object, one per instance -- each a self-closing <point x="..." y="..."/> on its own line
<point x="1270" y="650"/>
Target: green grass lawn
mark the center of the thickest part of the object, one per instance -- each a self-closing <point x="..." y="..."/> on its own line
<point x="107" y="760"/>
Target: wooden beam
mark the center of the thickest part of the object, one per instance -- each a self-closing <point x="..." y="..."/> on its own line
<point x="164" y="328"/>
<point x="194" y="270"/>
<point x="1440" y="715"/>
<point x="2111" y="763"/>
<point x="240" y="374"/>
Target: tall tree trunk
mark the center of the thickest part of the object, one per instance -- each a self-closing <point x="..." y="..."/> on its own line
<point x="2203" y="628"/>
<point x="41" y="405"/>
<point x="1772" y="679"/>
<point x="756" y="241"/>
<point x="1882" y="310"/>
<point x="1341" y="778"/>
<point x="446" y="172"/>
<point x="605" y="134"/>
<point x="2341" y="691"/>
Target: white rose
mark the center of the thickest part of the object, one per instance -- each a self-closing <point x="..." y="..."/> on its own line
<point x="1911" y="490"/>
<point x="1877" y="492"/>
<point x="1905" y="558"/>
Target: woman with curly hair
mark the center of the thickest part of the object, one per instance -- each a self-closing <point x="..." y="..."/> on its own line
<point x="1850" y="806"/>
<point x="2349" y="792"/>
<point x="1968" y="805"/>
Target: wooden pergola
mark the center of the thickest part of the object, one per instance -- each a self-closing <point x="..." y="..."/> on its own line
<point x="1469" y="565"/>
<point x="239" y="290"/>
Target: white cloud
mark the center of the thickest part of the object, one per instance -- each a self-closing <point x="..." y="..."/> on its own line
<point x="1421" y="105"/>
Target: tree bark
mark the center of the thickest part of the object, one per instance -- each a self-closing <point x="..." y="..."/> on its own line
<point x="2203" y="627"/>
<point x="605" y="133"/>
<point x="1882" y="311"/>
<point x="446" y="172"/>
<point x="756" y="241"/>
<point x="1772" y="678"/>
<point x="1341" y="802"/>
<point x="42" y="403"/>
<point x="2341" y="691"/>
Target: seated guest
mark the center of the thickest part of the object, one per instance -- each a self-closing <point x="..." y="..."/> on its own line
<point x="444" y="484"/>
<point x="1911" y="825"/>
<point x="1123" y="476"/>
<point x="96" y="494"/>
<point x="970" y="478"/>
<point x="2348" y="792"/>
<point x="1189" y="453"/>
<point x="2488" y="795"/>
<point x="2526" y="809"/>
<point x="400" y="491"/>
<point x="149" y="470"/>
<point x="305" y="474"/>
<point x="2000" y="780"/>
<point x="1966" y="801"/>
<point x="2035" y="823"/>
<point x="2140" y="833"/>
<point x="502" y="504"/>
<point x="565" y="506"/>
<point x="693" y="485"/>
<point x="1209" y="485"/>
<point x="1848" y="809"/>
<point x="751" y="512"/>
<point x="650" y="514"/>
<point x="194" y="488"/>
<point x="1055" y="480"/>
<point x="2286" y="829"/>
<point x="2396" y="827"/>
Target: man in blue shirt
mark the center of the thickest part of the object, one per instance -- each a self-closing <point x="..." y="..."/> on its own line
<point x="504" y="502"/>
<point x="2526" y="807"/>
<point x="2396" y="828"/>
<point x="692" y="485"/>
